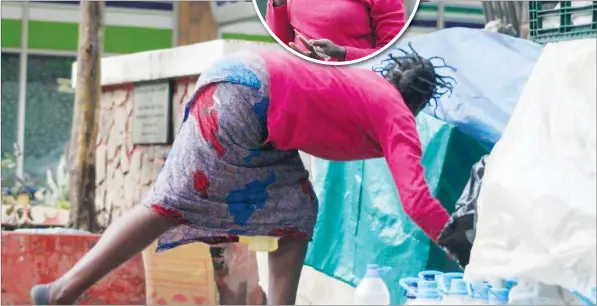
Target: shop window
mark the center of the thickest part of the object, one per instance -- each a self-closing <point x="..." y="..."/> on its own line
<point x="10" y="107"/>
<point x="48" y="117"/>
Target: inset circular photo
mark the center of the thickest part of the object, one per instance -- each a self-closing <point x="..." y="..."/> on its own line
<point x="336" y="32"/>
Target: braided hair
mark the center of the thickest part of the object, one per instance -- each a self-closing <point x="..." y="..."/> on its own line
<point x="416" y="78"/>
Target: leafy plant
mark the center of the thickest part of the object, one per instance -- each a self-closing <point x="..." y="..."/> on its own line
<point x="57" y="193"/>
<point x="15" y="197"/>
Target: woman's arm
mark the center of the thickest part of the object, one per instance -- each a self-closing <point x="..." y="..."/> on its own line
<point x="277" y="20"/>
<point x="402" y="149"/>
<point x="387" y="19"/>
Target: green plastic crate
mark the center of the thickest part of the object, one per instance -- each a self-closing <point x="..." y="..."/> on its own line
<point x="540" y="11"/>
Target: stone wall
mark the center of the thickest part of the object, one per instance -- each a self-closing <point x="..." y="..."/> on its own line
<point x="125" y="172"/>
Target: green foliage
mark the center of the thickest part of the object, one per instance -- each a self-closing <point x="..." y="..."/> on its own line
<point x="16" y="197"/>
<point x="57" y="183"/>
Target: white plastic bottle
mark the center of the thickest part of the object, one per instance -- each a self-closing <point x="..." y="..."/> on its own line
<point x="427" y="293"/>
<point x="458" y="295"/>
<point x="480" y="294"/>
<point x="444" y="281"/>
<point x="372" y="290"/>
<point x="498" y="296"/>
<point x="410" y="288"/>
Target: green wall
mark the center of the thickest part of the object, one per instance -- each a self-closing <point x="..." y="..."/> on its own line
<point x="63" y="36"/>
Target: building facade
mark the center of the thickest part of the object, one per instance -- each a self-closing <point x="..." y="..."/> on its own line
<point x="39" y="45"/>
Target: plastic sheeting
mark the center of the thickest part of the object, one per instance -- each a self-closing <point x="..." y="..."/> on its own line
<point x="459" y="235"/>
<point x="492" y="71"/>
<point x="537" y="214"/>
<point x="360" y="218"/>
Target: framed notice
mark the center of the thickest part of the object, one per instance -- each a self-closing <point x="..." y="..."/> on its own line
<point x="152" y="113"/>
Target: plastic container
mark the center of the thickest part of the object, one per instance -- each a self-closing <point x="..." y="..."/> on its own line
<point x="191" y="278"/>
<point x="458" y="293"/>
<point x="480" y="293"/>
<point x="427" y="293"/>
<point x="444" y="281"/>
<point x="567" y="20"/>
<point x="498" y="296"/>
<point x="433" y="275"/>
<point x="476" y="283"/>
<point x="429" y="274"/>
<point x="372" y="290"/>
<point x="260" y="243"/>
<point x="497" y="282"/>
<point x="410" y="288"/>
<point x="510" y="283"/>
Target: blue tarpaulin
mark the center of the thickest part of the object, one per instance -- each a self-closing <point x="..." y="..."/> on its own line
<point x="360" y="219"/>
<point x="492" y="70"/>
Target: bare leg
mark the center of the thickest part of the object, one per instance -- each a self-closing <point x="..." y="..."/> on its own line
<point x="285" y="266"/>
<point x="122" y="240"/>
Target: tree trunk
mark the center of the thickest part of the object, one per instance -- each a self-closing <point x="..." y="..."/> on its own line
<point x="195" y="23"/>
<point x="86" y="117"/>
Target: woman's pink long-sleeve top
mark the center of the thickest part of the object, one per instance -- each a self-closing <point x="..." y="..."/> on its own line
<point x="361" y="26"/>
<point x="344" y="113"/>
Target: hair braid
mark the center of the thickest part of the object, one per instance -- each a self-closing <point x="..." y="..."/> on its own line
<point x="416" y="78"/>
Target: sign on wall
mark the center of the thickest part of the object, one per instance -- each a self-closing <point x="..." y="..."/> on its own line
<point x="151" y="113"/>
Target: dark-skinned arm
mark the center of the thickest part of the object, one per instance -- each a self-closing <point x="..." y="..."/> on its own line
<point x="400" y="142"/>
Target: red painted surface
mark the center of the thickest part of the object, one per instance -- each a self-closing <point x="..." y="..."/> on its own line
<point x="29" y="259"/>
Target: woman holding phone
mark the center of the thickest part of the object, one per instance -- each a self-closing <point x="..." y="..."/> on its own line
<point x="341" y="30"/>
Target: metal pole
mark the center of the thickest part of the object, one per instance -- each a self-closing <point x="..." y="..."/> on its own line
<point x="22" y="89"/>
<point x="175" y="19"/>
<point x="441" y="11"/>
<point x="487" y="11"/>
<point x="513" y="17"/>
<point x="409" y="5"/>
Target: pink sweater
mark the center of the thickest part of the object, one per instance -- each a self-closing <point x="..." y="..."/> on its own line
<point x="362" y="26"/>
<point x="344" y="113"/>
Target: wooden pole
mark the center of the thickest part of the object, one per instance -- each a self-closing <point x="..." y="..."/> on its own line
<point x="195" y="22"/>
<point x="86" y="117"/>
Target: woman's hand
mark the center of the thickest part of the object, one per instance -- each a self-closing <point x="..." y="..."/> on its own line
<point x="320" y="48"/>
<point x="278" y="3"/>
<point x="329" y="48"/>
<point x="310" y="49"/>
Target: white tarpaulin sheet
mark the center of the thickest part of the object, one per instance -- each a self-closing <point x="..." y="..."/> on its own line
<point x="537" y="206"/>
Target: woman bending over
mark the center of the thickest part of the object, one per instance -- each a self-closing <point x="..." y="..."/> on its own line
<point x="234" y="168"/>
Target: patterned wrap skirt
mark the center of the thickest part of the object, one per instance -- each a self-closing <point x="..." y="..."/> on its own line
<point x="221" y="179"/>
